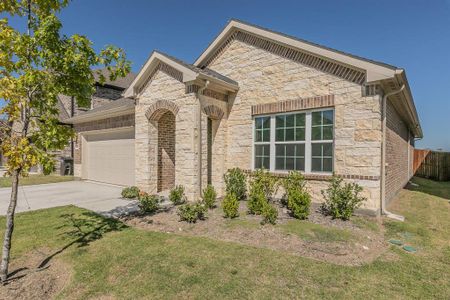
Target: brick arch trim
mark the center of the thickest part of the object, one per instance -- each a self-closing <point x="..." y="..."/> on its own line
<point x="160" y="107"/>
<point x="214" y="112"/>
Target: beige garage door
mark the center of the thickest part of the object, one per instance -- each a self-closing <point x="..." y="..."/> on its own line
<point x="109" y="157"/>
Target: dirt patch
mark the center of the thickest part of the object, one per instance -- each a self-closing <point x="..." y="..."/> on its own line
<point x="320" y="237"/>
<point x="28" y="281"/>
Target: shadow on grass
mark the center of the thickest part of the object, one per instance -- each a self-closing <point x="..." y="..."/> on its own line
<point x="85" y="229"/>
<point x="435" y="188"/>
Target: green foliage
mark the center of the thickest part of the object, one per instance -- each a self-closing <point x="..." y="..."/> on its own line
<point x="191" y="212"/>
<point x="267" y="181"/>
<point x="269" y="213"/>
<point x="209" y="196"/>
<point x="230" y="206"/>
<point x="296" y="197"/>
<point x="341" y="199"/>
<point x="130" y="192"/>
<point x="257" y="199"/>
<point x="235" y="182"/>
<point x="177" y="195"/>
<point x="38" y="63"/>
<point x="148" y="203"/>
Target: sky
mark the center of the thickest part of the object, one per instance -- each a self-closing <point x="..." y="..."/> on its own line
<point x="411" y="34"/>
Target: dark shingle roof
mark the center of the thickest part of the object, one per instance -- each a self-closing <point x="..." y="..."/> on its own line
<point x="205" y="71"/>
<point x="121" y="82"/>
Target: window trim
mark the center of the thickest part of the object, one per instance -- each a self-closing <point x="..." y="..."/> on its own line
<point x="308" y="141"/>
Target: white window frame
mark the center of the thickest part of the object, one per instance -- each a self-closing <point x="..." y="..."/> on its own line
<point x="308" y="141"/>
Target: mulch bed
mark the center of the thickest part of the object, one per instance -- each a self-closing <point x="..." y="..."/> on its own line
<point x="366" y="245"/>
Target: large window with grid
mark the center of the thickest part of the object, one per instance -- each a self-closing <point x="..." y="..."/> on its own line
<point x="300" y="141"/>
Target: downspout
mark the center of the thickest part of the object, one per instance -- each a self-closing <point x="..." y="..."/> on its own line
<point x="383" y="159"/>
<point x="200" y="149"/>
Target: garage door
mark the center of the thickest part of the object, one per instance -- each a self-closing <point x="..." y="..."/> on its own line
<point x="109" y="157"/>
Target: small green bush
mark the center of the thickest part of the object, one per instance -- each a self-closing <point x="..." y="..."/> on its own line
<point x="296" y="197"/>
<point x="268" y="182"/>
<point x="235" y="182"/>
<point x="230" y="206"/>
<point x="209" y="196"/>
<point x="341" y="199"/>
<point x="256" y="200"/>
<point x="270" y="214"/>
<point x="191" y="212"/>
<point x="177" y="195"/>
<point x="148" y="203"/>
<point x="130" y="192"/>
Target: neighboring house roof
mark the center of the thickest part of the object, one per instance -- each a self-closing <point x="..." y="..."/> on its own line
<point x="114" y="108"/>
<point x="190" y="73"/>
<point x="121" y="82"/>
<point x="390" y="77"/>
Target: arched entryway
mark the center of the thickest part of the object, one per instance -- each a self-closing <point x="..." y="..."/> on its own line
<point x="166" y="151"/>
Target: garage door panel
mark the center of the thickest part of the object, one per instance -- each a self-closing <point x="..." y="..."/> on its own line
<point x="110" y="158"/>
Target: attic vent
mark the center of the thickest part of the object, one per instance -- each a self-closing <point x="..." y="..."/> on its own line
<point x="342" y="71"/>
<point x="370" y="90"/>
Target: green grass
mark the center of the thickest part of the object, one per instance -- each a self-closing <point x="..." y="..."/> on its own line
<point x="35" y="179"/>
<point x="242" y="223"/>
<point x="109" y="259"/>
<point x="366" y="223"/>
<point x="315" y="232"/>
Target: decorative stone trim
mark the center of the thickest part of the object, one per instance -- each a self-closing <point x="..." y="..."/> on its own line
<point x="305" y="58"/>
<point x="213" y="112"/>
<point x="322" y="177"/>
<point x="193" y="88"/>
<point x="163" y="68"/>
<point x="293" y="105"/>
<point x="157" y="109"/>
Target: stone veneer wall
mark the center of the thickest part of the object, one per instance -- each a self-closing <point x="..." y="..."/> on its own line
<point x="398" y="153"/>
<point x="165" y="87"/>
<point x="266" y="78"/>
<point x="105" y="124"/>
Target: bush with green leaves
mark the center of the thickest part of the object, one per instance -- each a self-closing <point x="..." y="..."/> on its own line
<point x="148" y="203"/>
<point x="256" y="199"/>
<point x="177" y="195"/>
<point x="268" y="182"/>
<point x="235" y="182"/>
<point x="341" y="199"/>
<point x="296" y="197"/>
<point x="230" y="206"/>
<point x="269" y="214"/>
<point x="209" y="196"/>
<point x="130" y="192"/>
<point x="192" y="212"/>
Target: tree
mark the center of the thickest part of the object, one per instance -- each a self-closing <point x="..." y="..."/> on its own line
<point x="36" y="65"/>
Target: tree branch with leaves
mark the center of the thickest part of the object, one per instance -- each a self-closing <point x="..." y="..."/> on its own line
<point x="38" y="63"/>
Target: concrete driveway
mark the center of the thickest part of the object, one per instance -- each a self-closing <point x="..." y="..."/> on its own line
<point x="101" y="198"/>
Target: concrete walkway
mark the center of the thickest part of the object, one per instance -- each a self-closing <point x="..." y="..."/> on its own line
<point x="101" y="198"/>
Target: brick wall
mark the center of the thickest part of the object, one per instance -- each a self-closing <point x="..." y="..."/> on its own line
<point x="397" y="148"/>
<point x="166" y="152"/>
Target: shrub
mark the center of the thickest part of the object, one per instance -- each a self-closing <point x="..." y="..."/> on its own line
<point x="267" y="181"/>
<point x="235" y="182"/>
<point x="296" y="197"/>
<point x="269" y="214"/>
<point x="148" y="203"/>
<point x="130" y="192"/>
<point x="209" y="196"/>
<point x="256" y="200"/>
<point x="191" y="212"/>
<point x="177" y="196"/>
<point x="341" y="199"/>
<point x="230" y="206"/>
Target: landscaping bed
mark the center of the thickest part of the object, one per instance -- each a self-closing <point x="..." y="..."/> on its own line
<point x="320" y="237"/>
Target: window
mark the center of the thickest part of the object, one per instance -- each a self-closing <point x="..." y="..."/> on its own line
<point x="295" y="141"/>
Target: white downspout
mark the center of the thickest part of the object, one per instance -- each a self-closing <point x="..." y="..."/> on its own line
<point x="383" y="159"/>
<point x="200" y="148"/>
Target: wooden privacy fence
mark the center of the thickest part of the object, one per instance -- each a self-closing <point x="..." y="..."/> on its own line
<point x="432" y="164"/>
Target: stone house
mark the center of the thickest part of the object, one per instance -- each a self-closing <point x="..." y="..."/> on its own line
<point x="253" y="99"/>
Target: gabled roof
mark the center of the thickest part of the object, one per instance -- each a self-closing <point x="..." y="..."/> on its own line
<point x="120" y="82"/>
<point x="189" y="72"/>
<point x="375" y="72"/>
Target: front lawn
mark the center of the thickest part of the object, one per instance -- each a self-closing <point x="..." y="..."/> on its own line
<point x="35" y="179"/>
<point x="109" y="260"/>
